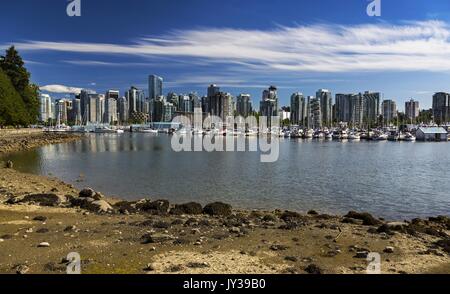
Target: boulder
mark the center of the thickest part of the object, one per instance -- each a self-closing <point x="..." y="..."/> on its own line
<point x="218" y="209"/>
<point x="125" y="206"/>
<point x="289" y="216"/>
<point x="313" y="269"/>
<point x="367" y="218"/>
<point x="9" y="164"/>
<point x="156" y="238"/>
<point x="87" y="192"/>
<point x="82" y="202"/>
<point x="187" y="208"/>
<point x="45" y="199"/>
<point x="156" y="207"/>
<point x="99" y="206"/>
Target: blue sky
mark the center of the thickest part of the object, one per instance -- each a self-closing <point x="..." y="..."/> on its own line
<point x="243" y="46"/>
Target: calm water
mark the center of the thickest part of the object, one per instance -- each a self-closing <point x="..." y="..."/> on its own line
<point x="390" y="179"/>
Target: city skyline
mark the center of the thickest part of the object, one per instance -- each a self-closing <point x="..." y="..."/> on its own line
<point x="300" y="48"/>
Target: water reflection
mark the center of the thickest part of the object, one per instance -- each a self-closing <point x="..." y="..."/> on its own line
<point x="394" y="180"/>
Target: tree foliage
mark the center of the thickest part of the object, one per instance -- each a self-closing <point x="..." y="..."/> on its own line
<point x="19" y="102"/>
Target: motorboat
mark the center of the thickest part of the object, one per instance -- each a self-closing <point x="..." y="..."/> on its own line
<point x="354" y="136"/>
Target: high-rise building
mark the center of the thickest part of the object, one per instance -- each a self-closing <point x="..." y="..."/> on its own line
<point x="168" y="111"/>
<point x="75" y="113"/>
<point x="221" y="105"/>
<point x="412" y="110"/>
<point x="155" y="87"/>
<point x="185" y="104"/>
<point x="315" y="113"/>
<point x="244" y="105"/>
<point x="45" y="107"/>
<point x="299" y="109"/>
<point x="173" y="98"/>
<point x="63" y="107"/>
<point x="122" y="105"/>
<point x="269" y="104"/>
<point x="389" y="108"/>
<point x="371" y="107"/>
<point x="84" y="104"/>
<point x="157" y="109"/>
<point x="136" y="100"/>
<point x="343" y="107"/>
<point x="326" y="106"/>
<point x="111" y="98"/>
<point x="441" y="107"/>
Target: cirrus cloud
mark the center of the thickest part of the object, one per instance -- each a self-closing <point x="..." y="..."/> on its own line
<point x="412" y="46"/>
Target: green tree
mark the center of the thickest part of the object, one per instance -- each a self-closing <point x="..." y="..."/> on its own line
<point x="13" y="66"/>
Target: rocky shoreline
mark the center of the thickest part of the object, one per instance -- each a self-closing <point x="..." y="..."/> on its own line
<point x="24" y="139"/>
<point x="43" y="219"/>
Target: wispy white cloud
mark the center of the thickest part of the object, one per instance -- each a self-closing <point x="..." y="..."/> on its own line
<point x="60" y="89"/>
<point x="412" y="46"/>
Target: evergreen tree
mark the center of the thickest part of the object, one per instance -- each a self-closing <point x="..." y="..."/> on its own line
<point x="13" y="66"/>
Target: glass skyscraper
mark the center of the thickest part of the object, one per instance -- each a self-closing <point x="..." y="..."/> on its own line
<point x="155" y="86"/>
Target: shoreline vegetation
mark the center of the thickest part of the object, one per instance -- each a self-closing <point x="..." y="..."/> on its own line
<point x="43" y="219"/>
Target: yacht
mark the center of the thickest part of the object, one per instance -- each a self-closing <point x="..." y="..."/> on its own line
<point x="354" y="137"/>
<point x="381" y="137"/>
<point x="308" y="134"/>
<point x="409" y="137"/>
<point x="318" y="135"/>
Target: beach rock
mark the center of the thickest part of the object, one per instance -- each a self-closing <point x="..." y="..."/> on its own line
<point x="125" y="207"/>
<point x="291" y="258"/>
<point x="289" y="216"/>
<point x="269" y="218"/>
<point x="82" y="202"/>
<point x="277" y="247"/>
<point x="44" y="244"/>
<point x="218" y="209"/>
<point x="187" y="208"/>
<point x="42" y="230"/>
<point x="367" y="218"/>
<point x="197" y="265"/>
<point x="45" y="199"/>
<point x="313" y="212"/>
<point x="156" y="207"/>
<point x="100" y="206"/>
<point x="388" y="249"/>
<point x="445" y="244"/>
<point x="40" y="218"/>
<point x="313" y="269"/>
<point x="150" y="267"/>
<point x="156" y="238"/>
<point x="361" y="254"/>
<point x="98" y="196"/>
<point x="161" y="225"/>
<point x="21" y="269"/>
<point x="9" y="164"/>
<point x="390" y="228"/>
<point x="87" y="192"/>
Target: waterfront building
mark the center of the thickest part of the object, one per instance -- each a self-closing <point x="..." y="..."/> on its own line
<point x="431" y="134"/>
<point x="412" y="110"/>
<point x="84" y="103"/>
<point x="111" y="98"/>
<point x="371" y="101"/>
<point x="221" y="105"/>
<point x="389" y="111"/>
<point x="244" y="105"/>
<point x="75" y="112"/>
<point x="122" y="105"/>
<point x="45" y="112"/>
<point x="343" y="107"/>
<point x="269" y="104"/>
<point x="155" y="87"/>
<point x="157" y="109"/>
<point x="315" y="113"/>
<point x="326" y="104"/>
<point x="63" y="107"/>
<point x="185" y="104"/>
<point x="298" y="109"/>
<point x="441" y="107"/>
<point x="204" y="103"/>
<point x="173" y="98"/>
<point x="168" y="112"/>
